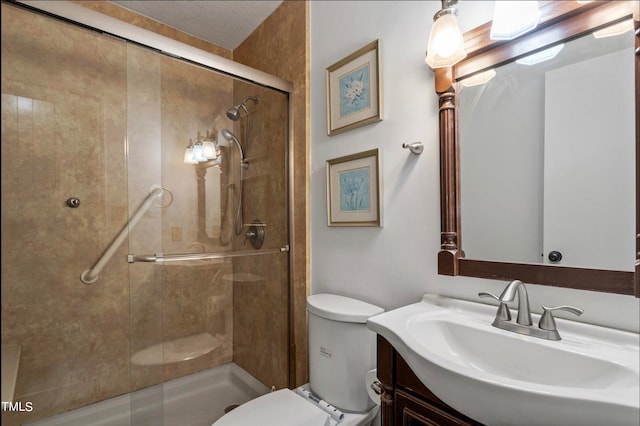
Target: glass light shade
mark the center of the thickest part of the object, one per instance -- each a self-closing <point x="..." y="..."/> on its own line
<point x="478" y="79"/>
<point x="446" y="44"/>
<point x="188" y="155"/>
<point x="209" y="150"/>
<point x="511" y="19"/>
<point x="614" y="30"/>
<point x="541" y="56"/>
<point x="197" y="153"/>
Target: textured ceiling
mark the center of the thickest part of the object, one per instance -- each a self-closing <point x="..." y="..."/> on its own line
<point x="226" y="23"/>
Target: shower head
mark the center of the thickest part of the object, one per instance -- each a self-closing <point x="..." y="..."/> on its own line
<point x="234" y="112"/>
<point x="229" y="136"/>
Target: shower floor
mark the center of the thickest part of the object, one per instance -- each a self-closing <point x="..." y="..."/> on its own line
<point x="195" y="400"/>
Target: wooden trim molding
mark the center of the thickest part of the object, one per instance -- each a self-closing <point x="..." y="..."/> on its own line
<point x="405" y="399"/>
<point x="385" y="371"/>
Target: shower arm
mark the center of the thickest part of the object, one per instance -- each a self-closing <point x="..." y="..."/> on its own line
<point x="234" y="114"/>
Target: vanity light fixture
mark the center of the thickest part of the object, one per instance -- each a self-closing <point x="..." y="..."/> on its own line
<point x="200" y="151"/>
<point x="511" y="19"/>
<point x="480" y="78"/>
<point x="541" y="56"/>
<point x="446" y="44"/>
<point x="188" y="154"/>
<point x="614" y="30"/>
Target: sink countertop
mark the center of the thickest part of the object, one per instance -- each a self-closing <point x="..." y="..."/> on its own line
<point x="486" y="373"/>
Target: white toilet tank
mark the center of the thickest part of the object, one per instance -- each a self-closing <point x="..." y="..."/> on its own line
<point x="341" y="350"/>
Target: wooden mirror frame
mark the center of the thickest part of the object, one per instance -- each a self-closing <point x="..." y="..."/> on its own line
<point x="560" y="21"/>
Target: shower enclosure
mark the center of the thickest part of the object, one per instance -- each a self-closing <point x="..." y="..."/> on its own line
<point x="128" y="261"/>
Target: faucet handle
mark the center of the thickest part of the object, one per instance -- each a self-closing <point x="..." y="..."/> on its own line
<point x="548" y="322"/>
<point x="503" y="313"/>
<point x="491" y="295"/>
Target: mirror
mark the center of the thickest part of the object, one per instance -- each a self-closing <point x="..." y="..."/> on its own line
<point x="208" y="204"/>
<point x="525" y="175"/>
<point x="543" y="156"/>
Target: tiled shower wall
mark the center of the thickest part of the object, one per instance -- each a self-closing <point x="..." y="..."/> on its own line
<point x="63" y="127"/>
<point x="70" y="101"/>
<point x="280" y="46"/>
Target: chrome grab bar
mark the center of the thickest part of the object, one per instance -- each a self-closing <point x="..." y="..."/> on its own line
<point x="91" y="275"/>
<point x="162" y="258"/>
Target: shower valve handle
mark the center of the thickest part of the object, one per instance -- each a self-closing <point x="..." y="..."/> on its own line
<point x="255" y="234"/>
<point x="249" y="236"/>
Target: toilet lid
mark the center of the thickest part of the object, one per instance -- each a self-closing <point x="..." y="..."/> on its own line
<point x="279" y="408"/>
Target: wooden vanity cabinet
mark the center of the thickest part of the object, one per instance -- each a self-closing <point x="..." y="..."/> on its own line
<point x="405" y="401"/>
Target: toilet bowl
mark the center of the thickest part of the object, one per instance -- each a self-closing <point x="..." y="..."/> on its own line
<point x="285" y="407"/>
<point x="342" y="353"/>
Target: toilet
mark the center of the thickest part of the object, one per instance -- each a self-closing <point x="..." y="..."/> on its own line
<point x="342" y="360"/>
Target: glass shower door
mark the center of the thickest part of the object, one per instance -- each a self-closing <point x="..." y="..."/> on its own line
<point x="209" y="273"/>
<point x="104" y="122"/>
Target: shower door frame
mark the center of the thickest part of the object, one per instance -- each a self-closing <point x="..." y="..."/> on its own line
<point x="88" y="18"/>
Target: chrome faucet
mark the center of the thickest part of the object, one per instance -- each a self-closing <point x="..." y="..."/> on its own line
<point x="509" y="293"/>
<point x="524" y="325"/>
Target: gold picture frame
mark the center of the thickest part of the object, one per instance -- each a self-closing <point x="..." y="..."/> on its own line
<point x="354" y="190"/>
<point x="354" y="90"/>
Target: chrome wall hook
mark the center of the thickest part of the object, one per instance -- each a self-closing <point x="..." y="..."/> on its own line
<point x="415" y="147"/>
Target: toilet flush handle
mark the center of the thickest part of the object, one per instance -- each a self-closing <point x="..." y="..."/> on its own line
<point x="376" y="386"/>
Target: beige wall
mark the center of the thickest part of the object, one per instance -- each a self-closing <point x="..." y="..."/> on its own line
<point x="126" y="15"/>
<point x="280" y="46"/>
<point x="260" y="300"/>
<point x="81" y="117"/>
<point x="63" y="126"/>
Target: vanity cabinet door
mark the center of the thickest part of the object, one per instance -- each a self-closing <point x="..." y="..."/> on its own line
<point x="406" y="401"/>
<point x="412" y="411"/>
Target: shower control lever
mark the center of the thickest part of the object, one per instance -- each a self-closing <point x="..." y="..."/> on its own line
<point x="255" y="234"/>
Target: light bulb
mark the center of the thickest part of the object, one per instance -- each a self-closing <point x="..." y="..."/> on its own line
<point x="209" y="150"/>
<point x="614" y="30"/>
<point x="478" y="79"/>
<point x="541" y="56"/>
<point x="446" y="44"/>
<point x="512" y="19"/>
<point x="188" y="155"/>
<point x="197" y="153"/>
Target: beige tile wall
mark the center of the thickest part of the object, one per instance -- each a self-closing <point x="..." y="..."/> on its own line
<point x="260" y="307"/>
<point x="64" y="122"/>
<point x="63" y="126"/>
<point x="280" y="46"/>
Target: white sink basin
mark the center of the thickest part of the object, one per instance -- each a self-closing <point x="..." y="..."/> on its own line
<point x="498" y="377"/>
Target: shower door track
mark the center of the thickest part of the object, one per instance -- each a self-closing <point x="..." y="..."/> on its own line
<point x="162" y="258"/>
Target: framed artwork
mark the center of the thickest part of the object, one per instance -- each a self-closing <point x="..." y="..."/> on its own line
<point x="354" y="92"/>
<point x="353" y="190"/>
